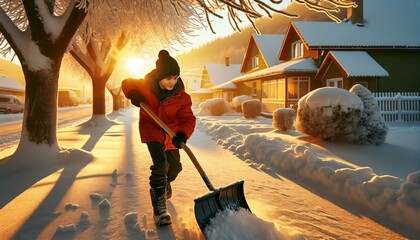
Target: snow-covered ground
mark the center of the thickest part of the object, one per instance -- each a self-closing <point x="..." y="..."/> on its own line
<point x="297" y="187"/>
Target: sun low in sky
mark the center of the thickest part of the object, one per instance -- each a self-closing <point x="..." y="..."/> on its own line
<point x="136" y="67"/>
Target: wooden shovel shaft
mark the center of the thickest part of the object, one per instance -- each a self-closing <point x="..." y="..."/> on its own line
<point x="184" y="146"/>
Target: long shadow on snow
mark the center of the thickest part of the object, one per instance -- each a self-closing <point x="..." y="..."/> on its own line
<point x="36" y="223"/>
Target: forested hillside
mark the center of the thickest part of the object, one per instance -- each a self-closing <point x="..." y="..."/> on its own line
<point x="234" y="46"/>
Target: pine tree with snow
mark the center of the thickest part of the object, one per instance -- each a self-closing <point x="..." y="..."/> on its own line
<point x="372" y="128"/>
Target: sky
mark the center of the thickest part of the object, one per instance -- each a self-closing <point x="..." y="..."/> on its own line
<point x="297" y="186"/>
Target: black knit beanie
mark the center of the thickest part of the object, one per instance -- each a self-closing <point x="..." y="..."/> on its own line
<point x="166" y="65"/>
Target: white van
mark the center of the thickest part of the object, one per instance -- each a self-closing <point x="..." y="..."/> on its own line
<point x="10" y="104"/>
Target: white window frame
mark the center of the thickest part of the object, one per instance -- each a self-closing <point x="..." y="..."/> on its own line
<point x="255" y="62"/>
<point x="334" y="82"/>
<point x="297" y="49"/>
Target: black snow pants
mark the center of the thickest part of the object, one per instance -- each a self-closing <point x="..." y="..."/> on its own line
<point x="166" y="164"/>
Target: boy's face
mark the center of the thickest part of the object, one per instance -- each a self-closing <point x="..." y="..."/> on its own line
<point x="168" y="83"/>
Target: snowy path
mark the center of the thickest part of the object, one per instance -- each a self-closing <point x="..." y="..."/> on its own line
<point x="293" y="209"/>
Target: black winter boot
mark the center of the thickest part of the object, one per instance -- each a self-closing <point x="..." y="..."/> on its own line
<point x="160" y="213"/>
<point x="168" y="190"/>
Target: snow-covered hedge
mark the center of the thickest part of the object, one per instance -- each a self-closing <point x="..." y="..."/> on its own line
<point x="372" y="128"/>
<point x="237" y="102"/>
<point x="251" y="108"/>
<point x="283" y="118"/>
<point x="386" y="196"/>
<point x="214" y="107"/>
<point x="329" y="113"/>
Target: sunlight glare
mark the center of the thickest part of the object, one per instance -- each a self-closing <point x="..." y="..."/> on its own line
<point x="135" y="66"/>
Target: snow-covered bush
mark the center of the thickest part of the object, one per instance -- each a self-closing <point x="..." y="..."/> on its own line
<point x="214" y="107"/>
<point x="237" y="102"/>
<point x="251" y="108"/>
<point x="372" y="128"/>
<point x="283" y="118"/>
<point x="329" y="113"/>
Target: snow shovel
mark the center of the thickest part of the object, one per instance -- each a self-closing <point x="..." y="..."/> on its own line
<point x="228" y="197"/>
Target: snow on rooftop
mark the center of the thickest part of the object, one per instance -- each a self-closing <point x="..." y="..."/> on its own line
<point x="193" y="83"/>
<point x="200" y="91"/>
<point x="269" y="46"/>
<point x="359" y="64"/>
<point x="387" y="23"/>
<point x="299" y="65"/>
<point x="10" y="83"/>
<point x="227" y="85"/>
<point x="220" y="73"/>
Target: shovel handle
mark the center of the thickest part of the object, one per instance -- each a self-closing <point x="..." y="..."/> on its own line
<point x="183" y="145"/>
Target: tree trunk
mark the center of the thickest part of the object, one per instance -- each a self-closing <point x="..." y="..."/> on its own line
<point x="40" y="118"/>
<point x="115" y="102"/>
<point x="98" y="93"/>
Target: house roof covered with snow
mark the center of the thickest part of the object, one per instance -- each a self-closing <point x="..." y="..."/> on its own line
<point x="299" y="66"/>
<point x="357" y="64"/>
<point x="200" y="91"/>
<point x="193" y="83"/>
<point x="220" y="73"/>
<point x="269" y="46"/>
<point x="387" y="24"/>
<point x="226" y="85"/>
<point x="10" y="84"/>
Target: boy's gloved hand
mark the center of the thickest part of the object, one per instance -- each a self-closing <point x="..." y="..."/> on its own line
<point x="135" y="97"/>
<point x="179" y="139"/>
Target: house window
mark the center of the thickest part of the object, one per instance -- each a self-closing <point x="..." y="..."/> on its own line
<point x="335" y="82"/>
<point x="255" y="62"/>
<point x="254" y="89"/>
<point x="297" y="87"/>
<point x="274" y="89"/>
<point x="297" y="49"/>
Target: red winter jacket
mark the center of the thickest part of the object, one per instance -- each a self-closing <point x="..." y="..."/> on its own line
<point x="174" y="110"/>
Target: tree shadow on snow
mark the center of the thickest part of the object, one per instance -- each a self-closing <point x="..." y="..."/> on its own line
<point x="96" y="127"/>
<point x="46" y="211"/>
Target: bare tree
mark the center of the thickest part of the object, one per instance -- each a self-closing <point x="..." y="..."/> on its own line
<point x="99" y="42"/>
<point x="40" y="31"/>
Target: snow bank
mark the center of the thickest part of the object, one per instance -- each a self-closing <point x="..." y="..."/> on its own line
<point x="388" y="196"/>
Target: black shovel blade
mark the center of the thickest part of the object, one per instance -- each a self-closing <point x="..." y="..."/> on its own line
<point x="233" y="197"/>
<point x="206" y="208"/>
<point x="229" y="197"/>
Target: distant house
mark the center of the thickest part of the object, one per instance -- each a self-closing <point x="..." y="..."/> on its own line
<point x="343" y="69"/>
<point x="12" y="87"/>
<point x="214" y="75"/>
<point x="275" y="82"/>
<point x="378" y="45"/>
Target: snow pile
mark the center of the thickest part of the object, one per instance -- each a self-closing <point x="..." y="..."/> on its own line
<point x="237" y="102"/>
<point x="386" y="195"/>
<point x="372" y="128"/>
<point x="329" y="113"/>
<point x="231" y="224"/>
<point x="213" y="107"/>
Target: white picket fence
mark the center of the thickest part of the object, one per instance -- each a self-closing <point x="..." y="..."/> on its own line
<point x="399" y="106"/>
